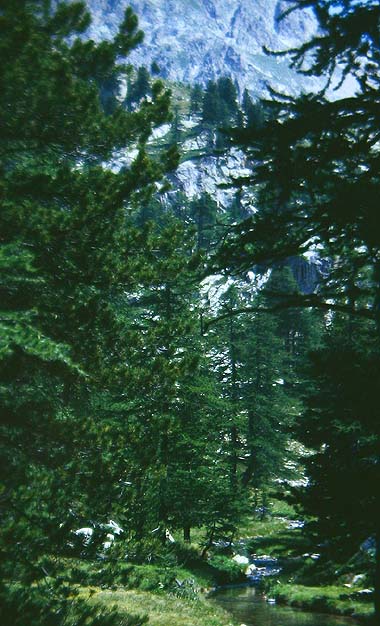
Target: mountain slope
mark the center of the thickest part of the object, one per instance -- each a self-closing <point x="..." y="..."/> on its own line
<point x="198" y="40"/>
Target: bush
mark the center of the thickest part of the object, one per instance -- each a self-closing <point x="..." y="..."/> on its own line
<point x="226" y="571"/>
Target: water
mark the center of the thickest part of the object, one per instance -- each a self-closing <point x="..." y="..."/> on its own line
<point x="248" y="607"/>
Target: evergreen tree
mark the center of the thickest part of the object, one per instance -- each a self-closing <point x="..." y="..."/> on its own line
<point x="155" y="68"/>
<point x="319" y="182"/>
<point x="227" y="363"/>
<point x="196" y="99"/>
<point x="220" y="105"/>
<point x="253" y="112"/>
<point x="65" y="271"/>
<point x="178" y="473"/>
<point x="340" y="425"/>
<point x="203" y="211"/>
<point x="212" y="109"/>
<point x="228" y="95"/>
<point x="138" y="88"/>
<point x="271" y="405"/>
<point x="261" y="383"/>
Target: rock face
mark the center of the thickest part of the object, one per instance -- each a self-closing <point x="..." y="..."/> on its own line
<point x="198" y="40"/>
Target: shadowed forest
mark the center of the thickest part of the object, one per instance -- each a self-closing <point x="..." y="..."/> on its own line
<point x="189" y="394"/>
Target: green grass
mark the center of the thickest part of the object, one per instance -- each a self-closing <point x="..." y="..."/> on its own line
<point x="304" y="583"/>
<point x="272" y="536"/>
<point x="328" y="599"/>
<point x="162" y="610"/>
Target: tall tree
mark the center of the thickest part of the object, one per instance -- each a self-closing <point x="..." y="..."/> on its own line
<point x="340" y="425"/>
<point x="196" y="99"/>
<point x="324" y="152"/>
<point x="179" y="404"/>
<point x="139" y="86"/>
<point x="64" y="242"/>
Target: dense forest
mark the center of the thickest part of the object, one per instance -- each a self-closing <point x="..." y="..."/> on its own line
<point x="167" y="370"/>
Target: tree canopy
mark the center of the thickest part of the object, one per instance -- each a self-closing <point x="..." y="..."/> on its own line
<point x="316" y="179"/>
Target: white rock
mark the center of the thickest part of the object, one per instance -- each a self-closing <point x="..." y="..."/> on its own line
<point x="240" y="559"/>
<point x="85" y="533"/>
<point x="169" y="536"/>
<point x="116" y="529"/>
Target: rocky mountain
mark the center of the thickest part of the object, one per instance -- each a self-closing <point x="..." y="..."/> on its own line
<point x="198" y="40"/>
<point x="194" y="41"/>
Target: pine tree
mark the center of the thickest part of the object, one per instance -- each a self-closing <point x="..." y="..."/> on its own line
<point x="138" y="88"/>
<point x="253" y="111"/>
<point x="212" y="106"/>
<point x="270" y="408"/>
<point x="340" y="425"/>
<point x="228" y="95"/>
<point x="196" y="99"/>
<point x="155" y="68"/>
<point x="319" y="182"/>
<point x="65" y="271"/>
<point x="220" y="105"/>
<point x="177" y="473"/>
<point x="203" y="211"/>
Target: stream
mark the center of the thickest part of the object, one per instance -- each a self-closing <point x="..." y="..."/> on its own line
<point x="250" y="608"/>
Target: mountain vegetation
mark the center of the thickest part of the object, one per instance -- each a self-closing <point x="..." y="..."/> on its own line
<point x="317" y="182"/>
<point x="164" y="371"/>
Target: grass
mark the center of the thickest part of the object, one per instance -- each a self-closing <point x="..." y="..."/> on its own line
<point x="271" y="535"/>
<point x="162" y="610"/>
<point x="161" y="595"/>
<point x="315" y="585"/>
<point x="169" y="592"/>
<point x="332" y="599"/>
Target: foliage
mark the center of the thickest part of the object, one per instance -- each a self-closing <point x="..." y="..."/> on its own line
<point x="317" y="183"/>
<point x="340" y="425"/>
<point x="226" y="570"/>
<point x="165" y="610"/>
<point x="329" y="599"/>
<point x="51" y="605"/>
<point x="220" y="101"/>
<point x="138" y="88"/>
<point x="196" y="99"/>
<point x="64" y="238"/>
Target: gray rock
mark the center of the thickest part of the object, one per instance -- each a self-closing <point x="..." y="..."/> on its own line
<point x="200" y="40"/>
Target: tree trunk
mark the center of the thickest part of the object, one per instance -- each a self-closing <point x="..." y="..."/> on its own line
<point x="377" y="581"/>
<point x="186" y="534"/>
<point x="377" y="508"/>
<point x="209" y="542"/>
<point x="234" y="398"/>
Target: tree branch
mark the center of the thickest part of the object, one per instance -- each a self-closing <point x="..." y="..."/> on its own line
<point x="293" y="302"/>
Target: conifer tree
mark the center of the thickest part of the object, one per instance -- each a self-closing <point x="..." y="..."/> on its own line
<point x="253" y="111"/>
<point x="212" y="106"/>
<point x="203" y="210"/>
<point x="138" y="87"/>
<point x="340" y="425"/>
<point x="196" y="99"/>
<point x="64" y="243"/>
<point x="180" y="404"/>
<point x="322" y="150"/>
<point x="228" y="95"/>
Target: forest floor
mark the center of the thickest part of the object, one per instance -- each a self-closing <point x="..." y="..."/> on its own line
<point x="308" y="580"/>
<point x="174" y="593"/>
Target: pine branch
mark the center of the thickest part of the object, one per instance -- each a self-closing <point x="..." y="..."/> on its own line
<point x="292" y="302"/>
